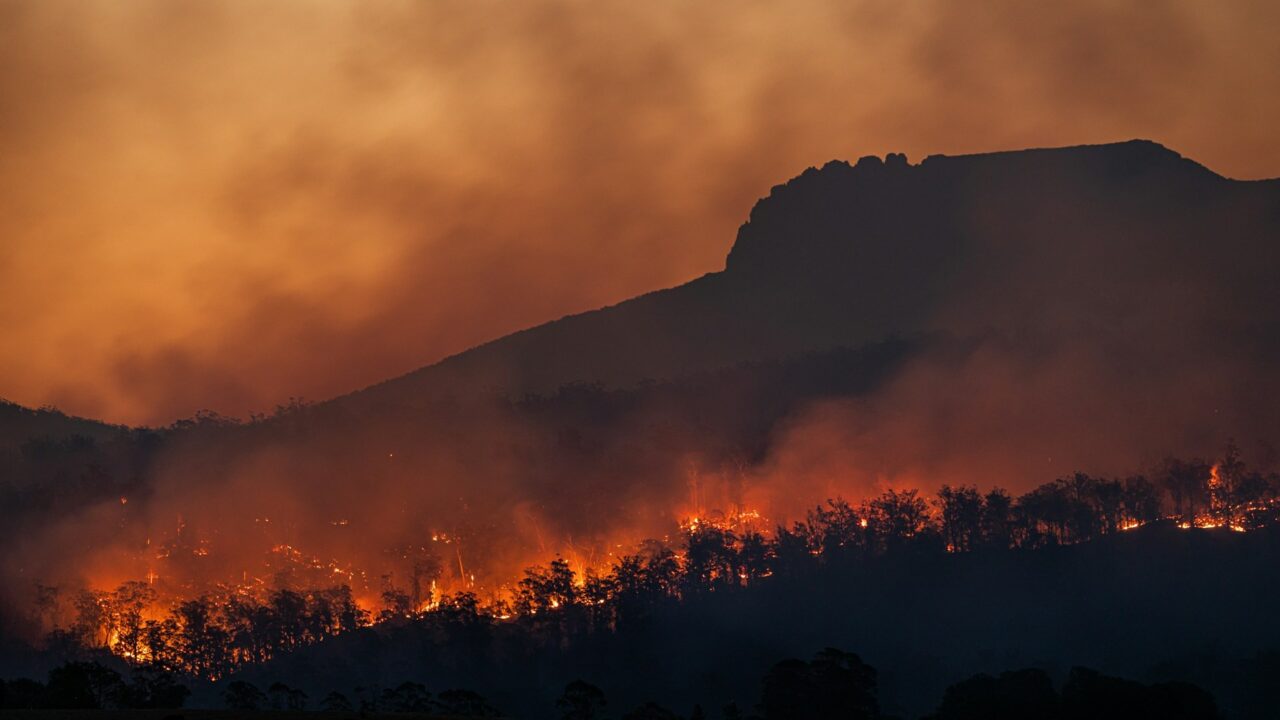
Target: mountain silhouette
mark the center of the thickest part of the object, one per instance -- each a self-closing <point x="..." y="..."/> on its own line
<point x="1107" y="239"/>
<point x="997" y="320"/>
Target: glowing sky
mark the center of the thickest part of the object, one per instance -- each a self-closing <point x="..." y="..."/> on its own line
<point x="225" y="204"/>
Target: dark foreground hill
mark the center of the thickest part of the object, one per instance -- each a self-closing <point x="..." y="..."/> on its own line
<point x="1157" y="604"/>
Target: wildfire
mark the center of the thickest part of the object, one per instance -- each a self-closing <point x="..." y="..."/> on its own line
<point x="737" y="520"/>
<point x="735" y="548"/>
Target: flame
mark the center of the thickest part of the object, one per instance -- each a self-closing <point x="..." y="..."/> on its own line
<point x="166" y="567"/>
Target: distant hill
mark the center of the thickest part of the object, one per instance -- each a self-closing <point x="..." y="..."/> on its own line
<point x="1041" y="240"/>
<point x="20" y="424"/>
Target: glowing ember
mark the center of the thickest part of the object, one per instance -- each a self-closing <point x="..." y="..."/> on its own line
<point x="714" y="551"/>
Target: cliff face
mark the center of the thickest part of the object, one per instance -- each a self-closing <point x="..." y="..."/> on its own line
<point x="886" y="214"/>
<point x="1121" y="238"/>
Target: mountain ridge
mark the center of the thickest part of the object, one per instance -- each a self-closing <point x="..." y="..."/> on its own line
<point x="769" y="278"/>
<point x="752" y="313"/>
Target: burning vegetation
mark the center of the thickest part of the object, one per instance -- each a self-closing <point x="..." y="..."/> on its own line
<point x="172" y="617"/>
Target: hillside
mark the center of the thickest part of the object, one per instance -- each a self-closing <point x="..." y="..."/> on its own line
<point x="19" y="425"/>
<point x="1156" y="604"/>
<point x="995" y="320"/>
<point x="847" y="254"/>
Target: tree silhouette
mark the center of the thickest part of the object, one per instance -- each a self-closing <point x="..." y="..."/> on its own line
<point x="1187" y="483"/>
<point x="581" y="701"/>
<point x="960" y="511"/>
<point x="284" y="697"/>
<point x="465" y="703"/>
<point x="898" y="516"/>
<point x="544" y="589"/>
<point x="1140" y="500"/>
<point x="997" y="520"/>
<point x="240" y="695"/>
<point x="84" y="685"/>
<point x="152" y="686"/>
<point x="1092" y="695"/>
<point x="407" y="697"/>
<point x="834" y="684"/>
<point x="1016" y="695"/>
<point x="335" y="702"/>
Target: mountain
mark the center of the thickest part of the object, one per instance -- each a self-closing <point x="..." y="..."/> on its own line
<point x="997" y="320"/>
<point x="1128" y="235"/>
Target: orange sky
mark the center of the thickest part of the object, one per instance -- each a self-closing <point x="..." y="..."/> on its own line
<point x="224" y="204"/>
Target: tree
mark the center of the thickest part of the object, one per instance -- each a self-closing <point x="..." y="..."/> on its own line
<point x="240" y="695"/>
<point x="92" y="623"/>
<point x="1087" y="502"/>
<point x="997" y="519"/>
<point x="465" y="703"/>
<point x="793" y="556"/>
<point x="1016" y="695"/>
<point x="152" y="686"/>
<point x="754" y="555"/>
<point x="846" y="685"/>
<point x="84" y="685"/>
<point x="407" y="697"/>
<point x="961" y="514"/>
<point x="1187" y="483"/>
<point x="835" y="684"/>
<point x="335" y="702"/>
<point x="284" y="697"/>
<point x="396" y="603"/>
<point x="787" y="693"/>
<point x="835" y="530"/>
<point x="1044" y="515"/>
<point x="711" y="559"/>
<point x="204" y="644"/>
<point x="1140" y="500"/>
<point x="581" y="701"/>
<point x="289" y="612"/>
<point x="162" y="648"/>
<point x="544" y="589"/>
<point x="1090" y="695"/>
<point x="898" y="516"/>
<point x="369" y="697"/>
<point x="127" y="603"/>
<point x="1108" y="502"/>
<point x="1234" y="491"/>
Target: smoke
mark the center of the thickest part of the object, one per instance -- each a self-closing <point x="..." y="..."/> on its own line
<point x="223" y="205"/>
<point x="217" y="204"/>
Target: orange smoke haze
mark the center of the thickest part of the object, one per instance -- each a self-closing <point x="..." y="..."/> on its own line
<point x="224" y="204"/>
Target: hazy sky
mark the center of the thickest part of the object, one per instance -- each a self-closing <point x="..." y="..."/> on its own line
<point x="224" y="204"/>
